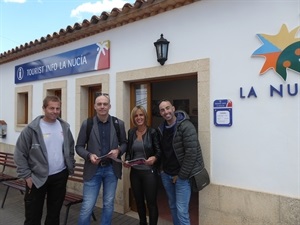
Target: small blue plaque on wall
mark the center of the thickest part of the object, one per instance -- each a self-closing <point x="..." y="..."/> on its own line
<point x="223" y="112"/>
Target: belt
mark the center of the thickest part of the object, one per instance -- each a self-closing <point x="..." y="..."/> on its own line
<point x="104" y="163"/>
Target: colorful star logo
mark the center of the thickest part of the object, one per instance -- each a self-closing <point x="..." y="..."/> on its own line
<point x="281" y="51"/>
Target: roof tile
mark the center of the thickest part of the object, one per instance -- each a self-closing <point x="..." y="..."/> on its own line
<point x="106" y="21"/>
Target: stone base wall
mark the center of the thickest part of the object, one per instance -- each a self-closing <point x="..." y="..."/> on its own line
<point x="221" y="205"/>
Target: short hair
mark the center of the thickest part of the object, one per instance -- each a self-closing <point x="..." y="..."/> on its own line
<point x="50" y="98"/>
<point x="134" y="110"/>
<point x="102" y="94"/>
<point x="164" y="100"/>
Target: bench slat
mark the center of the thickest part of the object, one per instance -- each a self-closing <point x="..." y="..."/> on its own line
<point x="7" y="160"/>
<point x="5" y="177"/>
<point x="16" y="184"/>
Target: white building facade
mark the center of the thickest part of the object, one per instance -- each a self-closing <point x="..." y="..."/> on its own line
<point x="234" y="52"/>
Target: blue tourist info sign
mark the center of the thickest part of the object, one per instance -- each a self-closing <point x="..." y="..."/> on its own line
<point x="85" y="59"/>
<point x="223" y="112"/>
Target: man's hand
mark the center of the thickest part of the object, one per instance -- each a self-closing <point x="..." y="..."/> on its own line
<point x="114" y="153"/>
<point x="94" y="159"/>
<point x="175" y="179"/>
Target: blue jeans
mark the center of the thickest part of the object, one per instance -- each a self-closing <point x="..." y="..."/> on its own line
<point x="179" y="195"/>
<point x="91" y="190"/>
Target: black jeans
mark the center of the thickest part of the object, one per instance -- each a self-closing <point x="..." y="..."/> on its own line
<point x="144" y="185"/>
<point x="55" y="190"/>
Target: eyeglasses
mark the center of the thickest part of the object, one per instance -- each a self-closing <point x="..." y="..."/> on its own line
<point x="102" y="94"/>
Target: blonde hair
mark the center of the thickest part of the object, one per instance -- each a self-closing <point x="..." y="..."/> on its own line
<point x="133" y="112"/>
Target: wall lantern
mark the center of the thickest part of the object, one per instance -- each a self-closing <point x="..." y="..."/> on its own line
<point x="162" y="48"/>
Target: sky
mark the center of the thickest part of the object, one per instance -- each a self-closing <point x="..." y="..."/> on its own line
<point x="22" y="21"/>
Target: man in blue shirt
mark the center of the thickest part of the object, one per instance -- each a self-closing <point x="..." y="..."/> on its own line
<point x="103" y="140"/>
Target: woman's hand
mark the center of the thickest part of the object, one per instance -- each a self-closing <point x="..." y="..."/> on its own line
<point x="150" y="161"/>
<point x="126" y="165"/>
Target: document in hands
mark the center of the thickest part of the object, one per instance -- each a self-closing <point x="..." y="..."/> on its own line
<point x="138" y="161"/>
<point x="108" y="155"/>
<point x="104" y="156"/>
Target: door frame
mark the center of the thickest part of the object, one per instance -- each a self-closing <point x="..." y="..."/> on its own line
<point x="200" y="68"/>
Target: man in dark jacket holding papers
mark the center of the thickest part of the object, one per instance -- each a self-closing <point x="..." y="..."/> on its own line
<point x="103" y="140"/>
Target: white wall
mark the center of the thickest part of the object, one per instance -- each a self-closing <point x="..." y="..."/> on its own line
<point x="261" y="151"/>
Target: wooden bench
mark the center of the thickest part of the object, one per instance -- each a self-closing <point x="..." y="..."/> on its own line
<point x="7" y="161"/>
<point x="70" y="197"/>
<point x="15" y="184"/>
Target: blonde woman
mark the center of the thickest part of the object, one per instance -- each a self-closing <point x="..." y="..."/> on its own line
<point x="143" y="146"/>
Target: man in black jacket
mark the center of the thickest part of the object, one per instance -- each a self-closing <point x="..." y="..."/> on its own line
<point x="181" y="159"/>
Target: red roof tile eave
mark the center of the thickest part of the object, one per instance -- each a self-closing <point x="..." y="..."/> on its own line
<point x="97" y="24"/>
